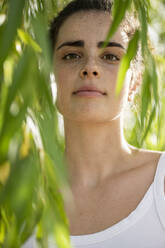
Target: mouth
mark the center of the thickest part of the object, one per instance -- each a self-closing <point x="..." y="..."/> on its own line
<point x="89" y="93"/>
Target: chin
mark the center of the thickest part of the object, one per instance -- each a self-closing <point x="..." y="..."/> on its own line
<point x="89" y="117"/>
<point x="87" y="113"/>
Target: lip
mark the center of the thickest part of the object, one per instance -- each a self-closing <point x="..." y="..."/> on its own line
<point x="89" y="88"/>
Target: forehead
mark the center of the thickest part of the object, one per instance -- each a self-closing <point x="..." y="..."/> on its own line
<point x="90" y="26"/>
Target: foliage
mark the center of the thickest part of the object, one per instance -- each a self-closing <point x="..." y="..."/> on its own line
<point x="32" y="169"/>
<point x="145" y="123"/>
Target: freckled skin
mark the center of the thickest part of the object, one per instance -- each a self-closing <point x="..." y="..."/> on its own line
<point x="91" y="27"/>
<point x="97" y="155"/>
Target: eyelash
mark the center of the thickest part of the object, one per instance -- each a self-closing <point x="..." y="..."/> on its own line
<point x="65" y="57"/>
<point x="114" y="56"/>
<point x="69" y="54"/>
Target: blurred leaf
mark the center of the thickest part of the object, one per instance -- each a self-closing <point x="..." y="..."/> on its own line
<point x="119" y="10"/>
<point x="4" y="172"/>
<point x="47" y="124"/>
<point x="41" y="35"/>
<point x="146" y="96"/>
<point x="126" y="60"/>
<point x="13" y="117"/>
<point x="17" y="191"/>
<point x="144" y="27"/>
<point x="148" y="125"/>
<point x="53" y="227"/>
<point x="9" y="31"/>
<point x="13" y="124"/>
<point x="27" y="39"/>
<point x="154" y="77"/>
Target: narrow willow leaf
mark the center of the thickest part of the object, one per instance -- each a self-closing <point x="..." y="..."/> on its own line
<point x="12" y="236"/>
<point x="35" y="214"/>
<point x="46" y="122"/>
<point x="150" y="82"/>
<point x="133" y="138"/>
<point x="154" y="78"/>
<point x="119" y="10"/>
<point x="3" y="3"/>
<point x="52" y="225"/>
<point x="27" y="39"/>
<point x="148" y="125"/>
<point x="44" y="95"/>
<point x="9" y="32"/>
<point x="4" y="172"/>
<point x="20" y="74"/>
<point x="143" y="22"/>
<point x="51" y="8"/>
<point x="126" y="60"/>
<point x="145" y="97"/>
<point x="4" y="216"/>
<point x="2" y="231"/>
<point x="41" y="35"/>
<point x="20" y="186"/>
<point x="12" y="126"/>
<point x="59" y="227"/>
<point x="12" y="121"/>
<point x="62" y="237"/>
<point x="53" y="173"/>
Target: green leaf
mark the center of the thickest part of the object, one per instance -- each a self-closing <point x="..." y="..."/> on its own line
<point x="126" y="60"/>
<point x="147" y="129"/>
<point x="144" y="27"/>
<point x="119" y="9"/>
<point x="47" y="125"/>
<point x="13" y="124"/>
<point x="41" y="36"/>
<point x="20" y="75"/>
<point x="22" y="83"/>
<point x="27" y="39"/>
<point x="154" y="78"/>
<point x="9" y="32"/>
<point x="146" y="97"/>
<point x="20" y="197"/>
<point x="20" y="186"/>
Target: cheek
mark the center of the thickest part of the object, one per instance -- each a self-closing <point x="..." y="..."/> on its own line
<point x="60" y="79"/>
<point x="111" y="75"/>
<point x="64" y="87"/>
<point x="67" y="80"/>
<point x="63" y="74"/>
<point x="59" y="74"/>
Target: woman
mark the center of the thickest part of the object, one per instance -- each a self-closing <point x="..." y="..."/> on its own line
<point x="118" y="190"/>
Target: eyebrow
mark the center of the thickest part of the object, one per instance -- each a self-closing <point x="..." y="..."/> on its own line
<point x="81" y="43"/>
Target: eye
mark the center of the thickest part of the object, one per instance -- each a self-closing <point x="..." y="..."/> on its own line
<point x="110" y="57"/>
<point x="71" y="56"/>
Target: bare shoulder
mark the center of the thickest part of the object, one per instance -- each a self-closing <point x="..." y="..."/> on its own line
<point x="153" y="158"/>
<point x="146" y="157"/>
<point x="149" y="159"/>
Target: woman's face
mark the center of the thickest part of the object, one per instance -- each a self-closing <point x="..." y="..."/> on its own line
<point x="79" y="61"/>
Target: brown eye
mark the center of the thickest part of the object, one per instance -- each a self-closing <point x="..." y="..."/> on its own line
<point x="110" y="57"/>
<point x="71" y="56"/>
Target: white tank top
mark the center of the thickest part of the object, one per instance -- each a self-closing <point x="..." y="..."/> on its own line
<point x="143" y="228"/>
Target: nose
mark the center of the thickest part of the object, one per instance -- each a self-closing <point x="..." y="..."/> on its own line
<point x="90" y="71"/>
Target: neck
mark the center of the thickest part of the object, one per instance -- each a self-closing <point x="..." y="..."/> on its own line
<point x="94" y="151"/>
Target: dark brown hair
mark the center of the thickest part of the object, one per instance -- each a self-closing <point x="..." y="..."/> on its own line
<point x="129" y="26"/>
<point x="70" y="9"/>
